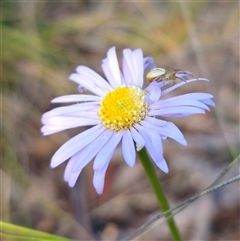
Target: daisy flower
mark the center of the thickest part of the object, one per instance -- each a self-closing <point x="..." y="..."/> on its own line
<point x="118" y="111"/>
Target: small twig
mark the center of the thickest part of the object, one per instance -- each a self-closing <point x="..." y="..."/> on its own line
<point x="237" y="159"/>
<point x="182" y="205"/>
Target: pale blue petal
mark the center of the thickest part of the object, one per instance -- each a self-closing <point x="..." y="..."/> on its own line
<point x="140" y="142"/>
<point x="167" y="130"/>
<point x="75" y="144"/>
<point x="70" y="177"/>
<point x="87" y="114"/>
<point x="99" y="176"/>
<point x="176" y="111"/>
<point x="133" y="67"/>
<point x="148" y="144"/>
<point x="68" y="121"/>
<point x="155" y="121"/>
<point x="208" y="102"/>
<point x="68" y="170"/>
<point x="149" y="63"/>
<point x="91" y="150"/>
<point x="172" y="131"/>
<point x="87" y="84"/>
<point x="75" y="98"/>
<point x="154" y="91"/>
<point x="102" y="160"/>
<point x="108" y="73"/>
<point x="128" y="148"/>
<point x="149" y="134"/>
<point x="138" y="62"/>
<point x="61" y="111"/>
<point x="49" y="130"/>
<point x="73" y="178"/>
<point x="155" y="149"/>
<point x="91" y="76"/>
<point x="129" y="70"/>
<point x="168" y="103"/>
<point x="113" y="62"/>
<point x="156" y="144"/>
<point x="157" y="84"/>
<point x="191" y="96"/>
<point x="107" y="151"/>
<point x="166" y="91"/>
<point x="81" y="88"/>
<point x="127" y="74"/>
<point x="162" y="165"/>
<point x="113" y="67"/>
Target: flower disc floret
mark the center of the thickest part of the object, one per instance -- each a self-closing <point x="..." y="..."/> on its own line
<point x="122" y="108"/>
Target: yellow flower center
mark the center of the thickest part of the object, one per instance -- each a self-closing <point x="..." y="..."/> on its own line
<point x="122" y="108"/>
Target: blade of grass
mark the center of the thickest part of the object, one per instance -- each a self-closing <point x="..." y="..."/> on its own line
<point x="14" y="232"/>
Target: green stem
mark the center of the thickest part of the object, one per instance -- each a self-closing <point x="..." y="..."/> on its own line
<point x="158" y="190"/>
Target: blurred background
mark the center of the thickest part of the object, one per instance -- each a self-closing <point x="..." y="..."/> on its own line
<point x="42" y="44"/>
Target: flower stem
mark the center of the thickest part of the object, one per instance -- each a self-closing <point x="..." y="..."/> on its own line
<point x="160" y="195"/>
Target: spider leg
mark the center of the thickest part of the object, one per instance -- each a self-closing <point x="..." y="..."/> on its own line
<point x="183" y="79"/>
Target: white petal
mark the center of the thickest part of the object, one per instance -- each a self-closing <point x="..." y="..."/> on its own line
<point x="128" y="149"/>
<point x="91" y="150"/>
<point x="75" y="144"/>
